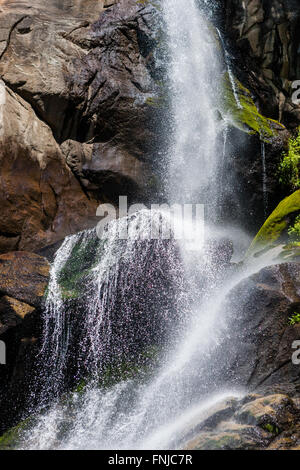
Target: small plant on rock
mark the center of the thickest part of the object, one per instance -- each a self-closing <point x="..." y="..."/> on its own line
<point x="289" y="168"/>
<point x="294" y="231"/>
<point x="294" y="319"/>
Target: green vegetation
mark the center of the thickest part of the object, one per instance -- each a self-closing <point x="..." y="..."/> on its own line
<point x="245" y="114"/>
<point x="294" y="231"/>
<point x="281" y="227"/>
<point x="271" y="428"/>
<point x="289" y="166"/>
<point x="78" y="266"/>
<point x="294" y="319"/>
<point x="125" y="370"/>
<point x="155" y="101"/>
<point x="129" y="370"/>
<point x="12" y="438"/>
<point x="144" y="3"/>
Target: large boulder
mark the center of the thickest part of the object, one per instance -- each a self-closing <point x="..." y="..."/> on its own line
<point x="262" y="328"/>
<point x="254" y="422"/>
<point x="279" y="237"/>
<point x="78" y="110"/>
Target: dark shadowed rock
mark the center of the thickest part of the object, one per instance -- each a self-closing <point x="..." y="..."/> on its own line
<point x="265" y="34"/>
<point x="260" y="339"/>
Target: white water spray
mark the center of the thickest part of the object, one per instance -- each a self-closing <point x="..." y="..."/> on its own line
<point x="229" y="71"/>
<point x="194" y="73"/>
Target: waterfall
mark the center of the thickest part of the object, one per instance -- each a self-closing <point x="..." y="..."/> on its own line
<point x="264" y="178"/>
<point x="98" y="311"/>
<point x="194" y="87"/>
<point x="229" y="71"/>
<point x="112" y="299"/>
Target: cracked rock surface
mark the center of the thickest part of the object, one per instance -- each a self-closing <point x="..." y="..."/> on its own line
<point x="266" y="39"/>
<point x="77" y="83"/>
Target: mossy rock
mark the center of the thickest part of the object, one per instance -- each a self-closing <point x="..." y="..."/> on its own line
<point x="275" y="231"/>
<point x="13" y="437"/>
<point x="139" y="369"/>
<point x="240" y="110"/>
<point x="289" y="167"/>
<point x="79" y="265"/>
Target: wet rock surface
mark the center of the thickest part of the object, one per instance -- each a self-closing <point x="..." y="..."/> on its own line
<point x="23" y="282"/>
<point x="265" y="38"/>
<point x="261" y="356"/>
<point x="260" y="343"/>
<point x="254" y="422"/>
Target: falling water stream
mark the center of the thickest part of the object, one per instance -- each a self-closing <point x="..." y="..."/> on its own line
<point x="146" y="283"/>
<point x="264" y="178"/>
<point x="229" y="71"/>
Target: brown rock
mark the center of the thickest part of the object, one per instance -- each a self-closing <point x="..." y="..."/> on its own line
<point x="265" y="34"/>
<point x="12" y="312"/>
<point x="77" y="121"/>
<point x="233" y="437"/>
<point x="256" y="422"/>
<point x="24" y="276"/>
<point x="259" y="339"/>
<point x="272" y="413"/>
<point x="41" y="200"/>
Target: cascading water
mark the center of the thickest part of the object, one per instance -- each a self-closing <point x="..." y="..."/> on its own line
<point x="98" y="311"/>
<point x="194" y="87"/>
<point x="140" y="293"/>
<point x="229" y="71"/>
<point x="264" y="178"/>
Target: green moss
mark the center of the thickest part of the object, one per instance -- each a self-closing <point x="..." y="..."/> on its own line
<point x="12" y="438"/>
<point x="289" y="175"/>
<point x="155" y="101"/>
<point x="124" y="370"/>
<point x="129" y="370"/>
<point x="294" y="231"/>
<point x="144" y="3"/>
<point x="79" y="265"/>
<point x="294" y="319"/>
<point x="271" y="428"/>
<point x="278" y="226"/>
<point x="224" y="441"/>
<point x="244" y="113"/>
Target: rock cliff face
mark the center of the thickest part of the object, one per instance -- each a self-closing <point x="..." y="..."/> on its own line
<point x="265" y="35"/>
<point x="262" y="40"/>
<point x="77" y="87"/>
<point x="78" y="127"/>
<point x="82" y="109"/>
<point x="261" y="346"/>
